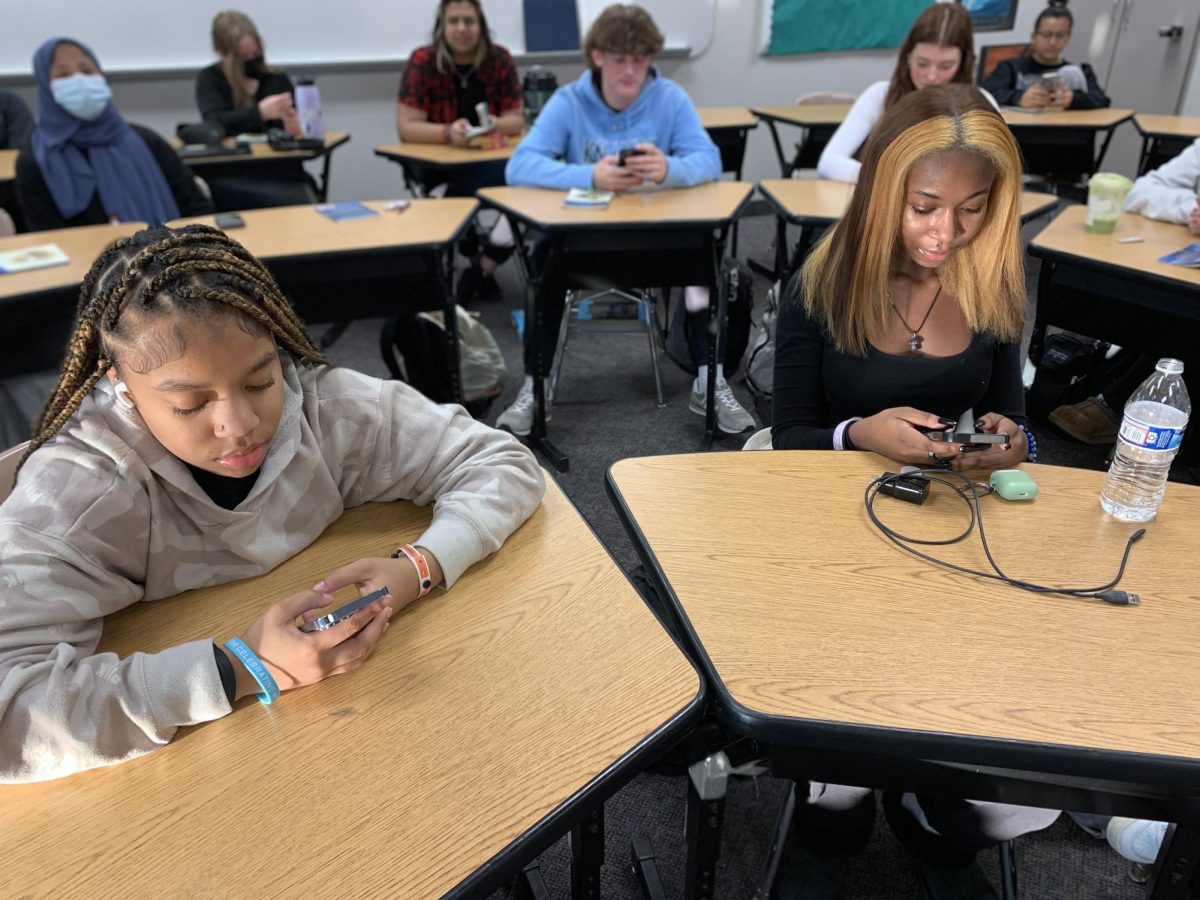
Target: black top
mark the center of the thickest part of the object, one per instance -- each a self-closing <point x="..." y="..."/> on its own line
<point x="1007" y="86"/>
<point x="468" y="92"/>
<point x="223" y="490"/>
<point x="16" y="122"/>
<point x="817" y="387"/>
<point x="214" y="97"/>
<point x="40" y="211"/>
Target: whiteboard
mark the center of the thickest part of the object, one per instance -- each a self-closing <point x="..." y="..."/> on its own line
<point x="153" y="35"/>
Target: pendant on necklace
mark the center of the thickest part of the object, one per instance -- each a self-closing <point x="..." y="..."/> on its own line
<point x="915" y="342"/>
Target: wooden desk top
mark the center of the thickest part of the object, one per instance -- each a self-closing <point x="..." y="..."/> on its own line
<point x="1065" y="235"/>
<point x="483" y="710"/>
<point x="261" y="152"/>
<point x="282" y="231"/>
<point x="82" y="245"/>
<point x="445" y="154"/>
<point x="817" y="200"/>
<point x="726" y="117"/>
<point x="804" y="114"/>
<point x="8" y="164"/>
<point x="1167" y="126"/>
<point x="715" y="203"/>
<point x="1094" y="119"/>
<point x="831" y="623"/>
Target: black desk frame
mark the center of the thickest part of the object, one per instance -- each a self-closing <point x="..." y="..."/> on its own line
<point x="1160" y="148"/>
<point x="621" y="254"/>
<point x="251" y="165"/>
<point x="814" y="134"/>
<point x="1048" y="135"/>
<point x="993" y="769"/>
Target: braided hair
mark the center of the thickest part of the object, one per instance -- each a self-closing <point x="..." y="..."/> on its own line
<point x="196" y="272"/>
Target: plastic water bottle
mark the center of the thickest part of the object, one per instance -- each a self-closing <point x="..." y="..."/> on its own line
<point x="308" y="108"/>
<point x="1151" y="430"/>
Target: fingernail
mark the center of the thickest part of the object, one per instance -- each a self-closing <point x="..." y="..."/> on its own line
<point x="978" y="424"/>
<point x="390" y="611"/>
<point x="319" y="587"/>
<point x="945" y="421"/>
<point x="962" y="448"/>
<point x="1006" y="446"/>
<point x="386" y="626"/>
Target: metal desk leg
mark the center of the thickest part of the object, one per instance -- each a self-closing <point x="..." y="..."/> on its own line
<point x="717" y="310"/>
<point x="323" y="188"/>
<point x="645" y="867"/>
<point x="1008" y="870"/>
<point x="784" y="167"/>
<point x="534" y="325"/>
<point x="442" y="268"/>
<point x="1144" y="159"/>
<point x="587" y="856"/>
<point x="1041" y="319"/>
<point x="1104" y="149"/>
<point x="707" y="781"/>
<point x="1176" y="874"/>
<point x="783" y="824"/>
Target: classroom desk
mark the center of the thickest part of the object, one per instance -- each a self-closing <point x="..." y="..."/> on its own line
<point x="671" y="238"/>
<point x="1164" y="138"/>
<point x="262" y="157"/>
<point x="38" y="305"/>
<point x="1048" y="138"/>
<point x="488" y="720"/>
<point x="817" y="121"/>
<point x="425" y="164"/>
<point x="847" y="660"/>
<point x="361" y="268"/>
<point x="815" y="203"/>
<point x="729" y="127"/>
<point x="1116" y="292"/>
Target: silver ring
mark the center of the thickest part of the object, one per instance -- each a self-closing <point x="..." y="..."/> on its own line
<point x="931" y="454"/>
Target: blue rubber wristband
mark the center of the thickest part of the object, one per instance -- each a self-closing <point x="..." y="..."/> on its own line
<point x="256" y="668"/>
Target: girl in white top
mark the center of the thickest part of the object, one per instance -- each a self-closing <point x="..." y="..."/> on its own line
<point x="939" y="49"/>
<point x="1171" y="192"/>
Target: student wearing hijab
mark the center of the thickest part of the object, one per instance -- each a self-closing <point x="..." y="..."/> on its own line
<point x="85" y="165"/>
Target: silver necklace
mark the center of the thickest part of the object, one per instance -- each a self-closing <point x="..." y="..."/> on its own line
<point x="915" y="341"/>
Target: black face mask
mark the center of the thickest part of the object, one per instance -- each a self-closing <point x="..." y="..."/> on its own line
<point x="255" y="68"/>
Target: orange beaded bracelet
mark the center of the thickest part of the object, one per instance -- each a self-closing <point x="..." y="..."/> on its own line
<point x="424" y="579"/>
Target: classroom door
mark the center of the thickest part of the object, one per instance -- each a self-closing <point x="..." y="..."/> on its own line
<point x="1152" y="46"/>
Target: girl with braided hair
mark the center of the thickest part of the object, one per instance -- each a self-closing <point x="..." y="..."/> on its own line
<point x="196" y="436"/>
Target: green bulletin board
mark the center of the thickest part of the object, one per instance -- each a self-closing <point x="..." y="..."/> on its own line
<point x="817" y="26"/>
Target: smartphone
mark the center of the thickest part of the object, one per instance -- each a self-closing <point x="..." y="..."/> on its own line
<point x="1050" y="82"/>
<point x="973" y="440"/>
<point x="225" y="221"/>
<point x="331" y="619"/>
<point x="625" y="152"/>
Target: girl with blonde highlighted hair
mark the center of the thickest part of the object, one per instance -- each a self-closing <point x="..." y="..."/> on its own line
<point x="909" y="311"/>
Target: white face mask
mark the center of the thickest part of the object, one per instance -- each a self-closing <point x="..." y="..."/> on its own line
<point x="83" y="96"/>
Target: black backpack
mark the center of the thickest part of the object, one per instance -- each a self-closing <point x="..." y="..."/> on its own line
<point x="740" y="302"/>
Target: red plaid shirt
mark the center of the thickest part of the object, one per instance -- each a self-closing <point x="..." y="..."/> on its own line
<point x="422" y="86"/>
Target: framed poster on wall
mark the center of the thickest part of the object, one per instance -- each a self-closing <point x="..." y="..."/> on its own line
<point x="992" y="15"/>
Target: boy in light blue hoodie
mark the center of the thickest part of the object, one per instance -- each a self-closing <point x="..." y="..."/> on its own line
<point x="621" y="103"/>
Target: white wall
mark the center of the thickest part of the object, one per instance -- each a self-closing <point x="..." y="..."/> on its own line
<point x="729" y="72"/>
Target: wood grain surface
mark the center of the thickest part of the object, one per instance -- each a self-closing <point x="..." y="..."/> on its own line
<point x="482" y="710"/>
<point x="1068" y="118"/>
<point x="82" y="245"/>
<point x="820" y="200"/>
<point x="726" y="117"/>
<point x="8" y="164"/>
<point x="805" y="114"/>
<point x="807" y="611"/>
<point x="712" y="204"/>
<point x="445" y="154"/>
<point x="1066" y="235"/>
<point x="283" y="231"/>
<point x="1167" y="126"/>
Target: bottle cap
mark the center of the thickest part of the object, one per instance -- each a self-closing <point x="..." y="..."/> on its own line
<point x="1170" y="366"/>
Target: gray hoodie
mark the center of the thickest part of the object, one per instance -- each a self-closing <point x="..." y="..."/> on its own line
<point x="103" y="516"/>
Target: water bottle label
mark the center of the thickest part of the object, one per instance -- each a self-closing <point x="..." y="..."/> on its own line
<point x="1149" y="437"/>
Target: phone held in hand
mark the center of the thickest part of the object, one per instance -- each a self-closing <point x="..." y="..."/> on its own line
<point x="625" y="152"/>
<point x="1050" y="82"/>
<point x="971" y="440"/>
<point x="331" y="619"/>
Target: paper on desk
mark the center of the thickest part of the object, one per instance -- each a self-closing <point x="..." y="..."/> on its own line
<point x="39" y="257"/>
<point x="1189" y="256"/>
<point x="588" y="197"/>
<point x="348" y="209"/>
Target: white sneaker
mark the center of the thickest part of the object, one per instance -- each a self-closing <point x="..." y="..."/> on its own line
<point x="731" y="418"/>
<point x="518" y="418"/>
<point x="1137" y="840"/>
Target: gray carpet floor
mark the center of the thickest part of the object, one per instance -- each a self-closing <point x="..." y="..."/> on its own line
<point x="606" y="411"/>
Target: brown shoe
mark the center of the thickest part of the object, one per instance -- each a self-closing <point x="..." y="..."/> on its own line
<point x="1089" y="421"/>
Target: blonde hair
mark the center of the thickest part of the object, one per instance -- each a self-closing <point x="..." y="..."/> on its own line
<point x="846" y="280"/>
<point x="228" y="29"/>
<point x="445" y="58"/>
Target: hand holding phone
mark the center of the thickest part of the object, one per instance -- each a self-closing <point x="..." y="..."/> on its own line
<point x="970" y="440"/>
<point x="625" y="152"/>
<point x="331" y="619"/>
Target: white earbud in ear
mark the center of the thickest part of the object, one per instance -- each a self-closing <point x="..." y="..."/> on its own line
<point x="123" y="396"/>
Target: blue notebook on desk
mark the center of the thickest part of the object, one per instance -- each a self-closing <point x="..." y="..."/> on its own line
<point x="348" y="209"/>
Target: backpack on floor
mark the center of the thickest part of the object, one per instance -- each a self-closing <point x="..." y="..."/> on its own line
<point x="760" y="358"/>
<point x="414" y="351"/>
<point x="739" y="304"/>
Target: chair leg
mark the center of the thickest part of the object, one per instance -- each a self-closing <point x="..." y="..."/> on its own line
<point x="1008" y="871"/>
<point x="646" y="310"/>
<point x="560" y="350"/>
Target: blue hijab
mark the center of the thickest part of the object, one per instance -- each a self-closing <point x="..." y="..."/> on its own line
<point x="117" y="163"/>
